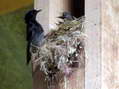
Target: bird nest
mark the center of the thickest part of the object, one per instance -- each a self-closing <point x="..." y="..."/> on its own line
<point x="62" y="51"/>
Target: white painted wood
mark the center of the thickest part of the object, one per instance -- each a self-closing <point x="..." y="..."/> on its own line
<point x="93" y="44"/>
<point x="110" y="44"/>
<point x="43" y="16"/>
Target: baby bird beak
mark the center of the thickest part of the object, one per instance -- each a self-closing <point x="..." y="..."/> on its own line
<point x="39" y="10"/>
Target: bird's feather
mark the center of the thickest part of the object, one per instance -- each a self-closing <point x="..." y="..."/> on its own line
<point x="34" y="32"/>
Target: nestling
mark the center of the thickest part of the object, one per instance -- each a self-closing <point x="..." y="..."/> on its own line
<point x="67" y="16"/>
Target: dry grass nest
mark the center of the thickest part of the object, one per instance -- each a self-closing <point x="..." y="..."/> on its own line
<point x="62" y="51"/>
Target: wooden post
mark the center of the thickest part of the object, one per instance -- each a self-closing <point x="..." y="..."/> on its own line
<point x="110" y="44"/>
<point x="102" y="47"/>
<point x="93" y="44"/>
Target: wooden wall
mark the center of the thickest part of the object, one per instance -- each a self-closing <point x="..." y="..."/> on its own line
<point x="110" y="44"/>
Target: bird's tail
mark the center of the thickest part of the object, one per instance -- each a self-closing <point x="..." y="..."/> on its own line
<point x="28" y="54"/>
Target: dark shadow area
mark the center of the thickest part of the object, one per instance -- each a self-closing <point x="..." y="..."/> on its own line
<point x="78" y="8"/>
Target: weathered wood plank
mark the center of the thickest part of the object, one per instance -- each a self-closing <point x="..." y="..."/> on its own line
<point x="93" y="44"/>
<point x="110" y="44"/>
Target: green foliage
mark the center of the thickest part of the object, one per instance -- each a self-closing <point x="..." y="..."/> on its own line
<point x="14" y="74"/>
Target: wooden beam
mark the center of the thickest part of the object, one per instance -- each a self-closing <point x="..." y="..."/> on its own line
<point x="93" y="44"/>
<point x="102" y="46"/>
<point x="110" y="44"/>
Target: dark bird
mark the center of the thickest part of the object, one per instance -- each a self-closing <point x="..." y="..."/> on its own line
<point x="67" y="16"/>
<point x="34" y="31"/>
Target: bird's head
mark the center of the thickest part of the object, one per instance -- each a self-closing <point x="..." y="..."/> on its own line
<point x="31" y="15"/>
<point x="66" y="15"/>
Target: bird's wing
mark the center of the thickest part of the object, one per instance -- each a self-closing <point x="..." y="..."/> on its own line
<point x="29" y="39"/>
<point x="28" y="33"/>
<point x="28" y="53"/>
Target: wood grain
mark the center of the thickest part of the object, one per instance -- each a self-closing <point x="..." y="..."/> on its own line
<point x="110" y="44"/>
